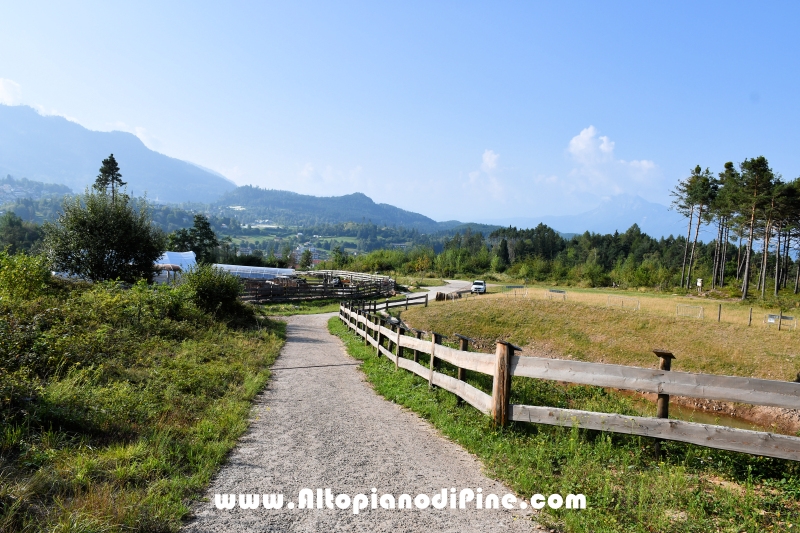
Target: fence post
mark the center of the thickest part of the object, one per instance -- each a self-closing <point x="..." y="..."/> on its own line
<point x="416" y="352"/>
<point x="501" y="384"/>
<point x="719" y="313"/>
<point x="399" y="352"/>
<point x="366" y="329"/>
<point x="662" y="403"/>
<point x="435" y="339"/>
<point x="406" y="303"/>
<point x="463" y="345"/>
<point x="379" y="336"/>
<point x="750" y="320"/>
<point x="426" y="299"/>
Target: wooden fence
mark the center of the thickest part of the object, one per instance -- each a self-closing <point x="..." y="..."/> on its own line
<point x="350" y="276"/>
<point x="266" y="291"/>
<point x="503" y="364"/>
<point x="375" y="306"/>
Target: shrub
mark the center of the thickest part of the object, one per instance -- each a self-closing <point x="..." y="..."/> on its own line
<point x="22" y="276"/>
<point x="212" y="289"/>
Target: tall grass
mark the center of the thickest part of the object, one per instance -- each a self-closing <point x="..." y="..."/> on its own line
<point x="117" y="405"/>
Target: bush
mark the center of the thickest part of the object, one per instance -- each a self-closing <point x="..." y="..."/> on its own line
<point x="22" y="276"/>
<point x="99" y="237"/>
<point x="213" y="290"/>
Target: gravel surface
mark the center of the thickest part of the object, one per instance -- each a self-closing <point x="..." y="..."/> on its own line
<point x="320" y="425"/>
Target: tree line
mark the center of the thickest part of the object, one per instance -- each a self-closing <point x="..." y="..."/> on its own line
<point x="751" y="204"/>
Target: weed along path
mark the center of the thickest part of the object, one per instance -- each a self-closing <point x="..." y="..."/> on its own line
<point x="319" y="425"/>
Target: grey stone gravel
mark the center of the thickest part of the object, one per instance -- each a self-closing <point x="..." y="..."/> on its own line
<point x="318" y="424"/>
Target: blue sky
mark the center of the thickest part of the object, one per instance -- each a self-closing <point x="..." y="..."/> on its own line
<point x="459" y="110"/>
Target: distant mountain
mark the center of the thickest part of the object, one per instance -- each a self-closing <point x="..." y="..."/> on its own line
<point x="617" y="213"/>
<point x="249" y="203"/>
<point x="54" y="150"/>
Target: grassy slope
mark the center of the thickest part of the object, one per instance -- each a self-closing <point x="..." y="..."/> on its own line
<point x="592" y="333"/>
<point x="696" y="489"/>
<point x="134" y="417"/>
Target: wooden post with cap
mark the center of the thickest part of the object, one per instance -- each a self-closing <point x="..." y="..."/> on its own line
<point x="662" y="403"/>
<point x="501" y="384"/>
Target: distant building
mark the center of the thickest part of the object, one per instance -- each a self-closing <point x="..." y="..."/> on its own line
<point x="245" y="250"/>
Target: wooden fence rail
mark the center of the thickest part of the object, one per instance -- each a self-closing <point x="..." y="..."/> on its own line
<point x="503" y="364"/>
<point x="375" y="306"/>
<point x="261" y="291"/>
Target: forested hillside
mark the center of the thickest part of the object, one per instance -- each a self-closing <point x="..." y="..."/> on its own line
<point x="284" y="207"/>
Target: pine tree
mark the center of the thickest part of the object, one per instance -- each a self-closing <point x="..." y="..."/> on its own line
<point x="109" y="176"/>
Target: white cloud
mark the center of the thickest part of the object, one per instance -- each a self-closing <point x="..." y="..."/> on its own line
<point x="599" y="170"/>
<point x="307" y="171"/>
<point x="490" y="158"/>
<point x="486" y="180"/>
<point x="10" y="92"/>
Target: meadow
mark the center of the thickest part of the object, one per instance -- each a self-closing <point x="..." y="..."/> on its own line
<point x="585" y="327"/>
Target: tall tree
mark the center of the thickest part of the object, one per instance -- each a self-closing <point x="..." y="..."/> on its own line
<point x="723" y="208"/>
<point x="109" y="176"/>
<point x="98" y="238"/>
<point x="683" y="204"/>
<point x="702" y="190"/>
<point x="200" y="239"/>
<point x="755" y="183"/>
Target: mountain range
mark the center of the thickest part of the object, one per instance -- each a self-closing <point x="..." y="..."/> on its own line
<point x="616" y="213"/>
<point x="253" y="204"/>
<point x="52" y="149"/>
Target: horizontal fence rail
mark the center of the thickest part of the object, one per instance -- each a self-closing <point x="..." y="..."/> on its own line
<point x="375" y="306"/>
<point x="503" y="364"/>
<point x="350" y="286"/>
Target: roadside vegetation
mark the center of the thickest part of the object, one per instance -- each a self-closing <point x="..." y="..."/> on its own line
<point x="118" y="404"/>
<point x="693" y="489"/>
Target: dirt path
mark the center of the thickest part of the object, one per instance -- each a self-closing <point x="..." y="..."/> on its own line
<point x="320" y="425"/>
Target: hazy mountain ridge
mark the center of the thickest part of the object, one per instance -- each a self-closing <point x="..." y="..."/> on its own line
<point x="617" y="213"/>
<point x="284" y="207"/>
<point x="52" y="149"/>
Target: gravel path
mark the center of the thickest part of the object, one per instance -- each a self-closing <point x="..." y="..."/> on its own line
<point x="319" y="425"/>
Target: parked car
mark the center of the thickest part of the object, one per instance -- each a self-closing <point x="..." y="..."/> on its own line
<point x="478" y="286"/>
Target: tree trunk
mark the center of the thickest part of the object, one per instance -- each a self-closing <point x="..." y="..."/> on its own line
<point x="778" y="262"/>
<point x="686" y="248"/>
<point x="762" y="282"/>
<point x="788" y="243"/>
<point x="797" y="275"/>
<point x="748" y="251"/>
<point x="717" y="248"/>
<point x="694" y="244"/>
<point x="727" y="231"/>
<point x="739" y="261"/>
